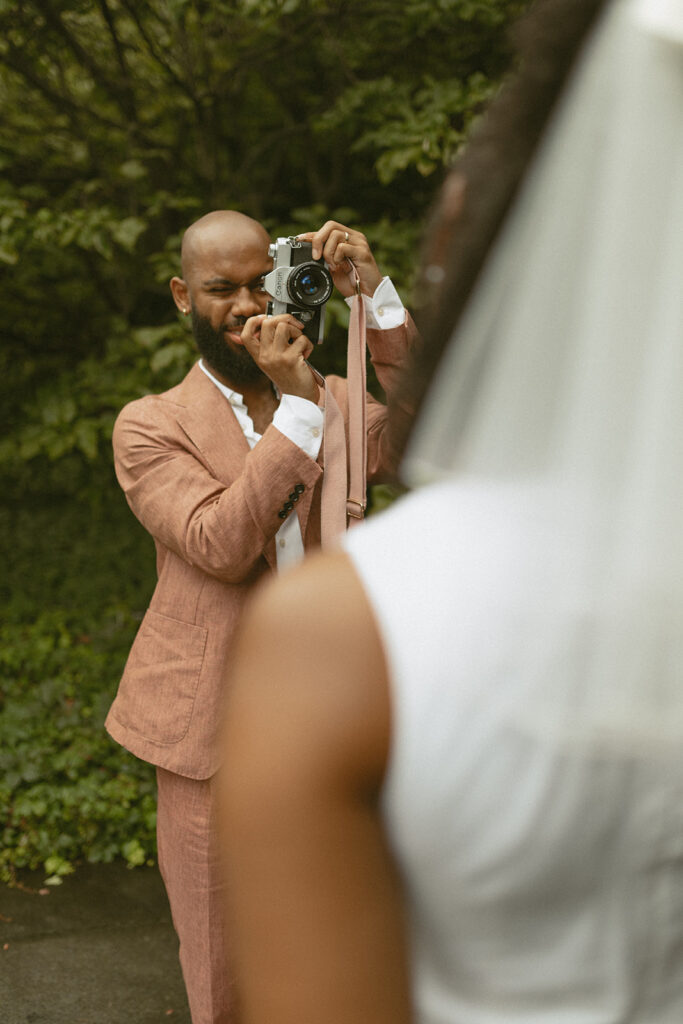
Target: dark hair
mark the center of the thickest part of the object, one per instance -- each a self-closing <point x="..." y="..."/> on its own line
<point x="492" y="165"/>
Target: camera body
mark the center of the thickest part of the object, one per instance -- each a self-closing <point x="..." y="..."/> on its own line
<point x="298" y="285"/>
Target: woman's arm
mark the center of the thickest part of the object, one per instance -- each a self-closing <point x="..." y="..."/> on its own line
<point x="314" y="899"/>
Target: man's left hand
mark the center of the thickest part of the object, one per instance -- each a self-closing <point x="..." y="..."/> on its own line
<point x="337" y="245"/>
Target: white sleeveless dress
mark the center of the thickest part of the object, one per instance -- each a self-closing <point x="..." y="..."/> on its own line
<point x="542" y="853"/>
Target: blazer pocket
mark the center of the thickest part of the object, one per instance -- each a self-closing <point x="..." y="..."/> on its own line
<point x="157" y="693"/>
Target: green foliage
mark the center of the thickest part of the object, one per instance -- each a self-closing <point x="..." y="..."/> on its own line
<point x="67" y="790"/>
<point x="124" y="120"/>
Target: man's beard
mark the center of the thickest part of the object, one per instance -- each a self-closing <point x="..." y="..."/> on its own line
<point x="237" y="366"/>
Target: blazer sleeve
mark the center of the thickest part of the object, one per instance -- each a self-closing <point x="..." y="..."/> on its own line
<point x="389" y="352"/>
<point x="176" y="494"/>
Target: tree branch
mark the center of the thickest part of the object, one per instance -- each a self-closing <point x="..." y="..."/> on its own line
<point x="128" y="94"/>
<point x="154" y="51"/>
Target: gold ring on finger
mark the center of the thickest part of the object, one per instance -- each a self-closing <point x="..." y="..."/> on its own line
<point x="346" y="236"/>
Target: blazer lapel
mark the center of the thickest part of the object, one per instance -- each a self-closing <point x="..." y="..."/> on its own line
<point x="208" y="420"/>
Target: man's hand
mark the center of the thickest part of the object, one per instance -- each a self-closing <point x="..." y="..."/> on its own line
<point x="337" y="244"/>
<point x="278" y="345"/>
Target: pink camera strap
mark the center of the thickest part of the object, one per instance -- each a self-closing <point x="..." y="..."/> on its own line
<point x="356" y="382"/>
<point x="344" y="496"/>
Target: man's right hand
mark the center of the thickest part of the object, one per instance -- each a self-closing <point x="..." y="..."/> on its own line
<point x="279" y="347"/>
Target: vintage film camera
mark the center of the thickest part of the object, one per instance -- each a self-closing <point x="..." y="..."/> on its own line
<point x="299" y="285"/>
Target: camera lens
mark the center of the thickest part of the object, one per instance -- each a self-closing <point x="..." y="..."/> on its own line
<point x="309" y="284"/>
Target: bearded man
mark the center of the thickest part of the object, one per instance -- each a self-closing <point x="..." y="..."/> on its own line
<point x="226" y="472"/>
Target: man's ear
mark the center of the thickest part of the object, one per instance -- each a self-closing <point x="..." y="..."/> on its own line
<point x="181" y="294"/>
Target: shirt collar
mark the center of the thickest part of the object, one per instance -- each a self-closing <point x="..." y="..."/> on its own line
<point x="234" y="397"/>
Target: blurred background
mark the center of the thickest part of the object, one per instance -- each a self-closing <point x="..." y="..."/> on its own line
<point x="123" y="121"/>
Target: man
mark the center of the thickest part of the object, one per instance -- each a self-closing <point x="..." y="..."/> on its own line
<point x="226" y="473"/>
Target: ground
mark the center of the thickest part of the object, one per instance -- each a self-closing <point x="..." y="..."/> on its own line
<point x="99" y="949"/>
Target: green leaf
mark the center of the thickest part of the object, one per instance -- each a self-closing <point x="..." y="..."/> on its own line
<point x="149" y="337"/>
<point x="176" y="351"/>
<point x="58" y="866"/>
<point x="134" y="853"/>
<point x="127" y="232"/>
<point x="86" y="433"/>
<point x="133" y="170"/>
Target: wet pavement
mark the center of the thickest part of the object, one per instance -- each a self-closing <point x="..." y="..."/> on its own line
<point x="99" y="949"/>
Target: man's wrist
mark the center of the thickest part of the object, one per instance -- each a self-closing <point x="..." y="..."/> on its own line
<point x="307" y="391"/>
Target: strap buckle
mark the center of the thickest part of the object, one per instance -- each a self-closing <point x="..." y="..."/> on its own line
<point x="360" y="514"/>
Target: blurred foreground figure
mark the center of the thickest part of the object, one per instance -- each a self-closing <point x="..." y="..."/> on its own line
<point x="455" y="786"/>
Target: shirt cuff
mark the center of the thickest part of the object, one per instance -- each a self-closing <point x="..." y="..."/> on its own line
<point x="302" y="422"/>
<point x="385" y="309"/>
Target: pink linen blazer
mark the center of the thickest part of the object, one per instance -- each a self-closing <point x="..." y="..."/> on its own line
<point x="211" y="504"/>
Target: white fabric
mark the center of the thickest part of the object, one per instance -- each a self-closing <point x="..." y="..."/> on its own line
<point x="384" y="309"/>
<point x="530" y="601"/>
<point x="663" y="17"/>
<point x="568" y="367"/>
<point x="544" y="875"/>
<point x="302" y="422"/>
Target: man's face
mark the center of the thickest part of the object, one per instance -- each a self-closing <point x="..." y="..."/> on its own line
<point x="226" y="288"/>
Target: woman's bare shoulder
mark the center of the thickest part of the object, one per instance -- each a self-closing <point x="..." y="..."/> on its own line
<point x="309" y="654"/>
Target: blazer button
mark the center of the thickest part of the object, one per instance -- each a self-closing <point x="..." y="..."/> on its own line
<point x="294" y="496"/>
<point x="282" y="514"/>
<point x="299" y="488"/>
<point x="288" y="505"/>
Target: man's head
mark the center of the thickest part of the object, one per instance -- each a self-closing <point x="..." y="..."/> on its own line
<point x="224" y="258"/>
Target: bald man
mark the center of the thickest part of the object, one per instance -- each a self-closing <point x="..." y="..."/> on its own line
<point x="225" y="471"/>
